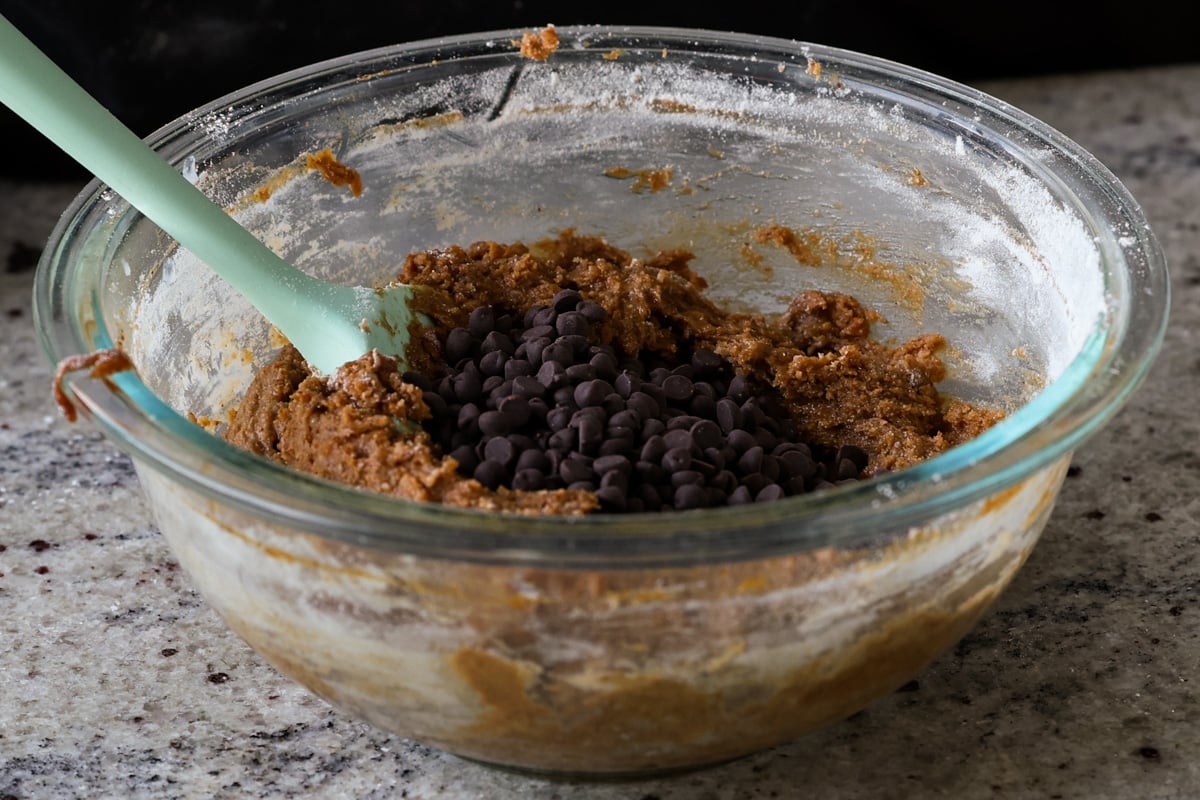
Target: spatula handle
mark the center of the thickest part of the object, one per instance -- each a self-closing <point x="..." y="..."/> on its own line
<point x="49" y="100"/>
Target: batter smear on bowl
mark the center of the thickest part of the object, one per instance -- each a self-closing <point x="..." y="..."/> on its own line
<point x="573" y="378"/>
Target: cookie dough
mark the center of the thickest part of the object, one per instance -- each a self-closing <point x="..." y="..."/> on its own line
<point x="359" y="425"/>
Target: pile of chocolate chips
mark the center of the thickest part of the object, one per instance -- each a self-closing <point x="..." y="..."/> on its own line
<point x="535" y="403"/>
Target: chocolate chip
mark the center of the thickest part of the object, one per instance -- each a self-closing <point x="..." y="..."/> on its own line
<point x="459" y="344"/>
<point x="685" y="476"/>
<point x="611" y="445"/>
<point x="533" y="459"/>
<point x="516" y="408"/>
<point x="752" y="414"/>
<point x="725" y="481"/>
<point x="493" y="363"/>
<point x="497" y="341"/>
<point x="741" y="440"/>
<point x="521" y="441"/>
<point x="490" y="474"/>
<point x="612" y="498"/>
<point x="649" y="495"/>
<point x="494" y="423"/>
<point x="528" y="386"/>
<point x="654" y="449"/>
<point x="706" y="433"/>
<point x="559" y="417"/>
<point x="537" y="406"/>
<point x="564" y="395"/>
<point x="706" y="362"/>
<point x="605" y="367"/>
<point x="577" y="373"/>
<point x="677" y="388"/>
<point x="594" y="312"/>
<point x="547" y="332"/>
<point x="566" y="300"/>
<point x="702" y="405"/>
<point x="517" y="368"/>
<point x="771" y="467"/>
<point x="468" y="386"/>
<point x="500" y="450"/>
<point x="548" y="374"/>
<point x="574" y="470"/>
<point x="653" y="427"/>
<point x="609" y="463"/>
<point x="677" y="458"/>
<point x="755" y="482"/>
<point x="845" y="469"/>
<point x="625" y="383"/>
<point x="437" y="404"/>
<point x="645" y="405"/>
<point x="591" y="434"/>
<point x="613" y="404"/>
<point x="856" y="455"/>
<point x="589" y="412"/>
<point x="468" y="416"/>
<point x="797" y="464"/>
<point x="680" y="439"/>
<point x="738" y="390"/>
<point x="572" y="323"/>
<point x="466" y="457"/>
<point x="560" y="352"/>
<point x="482" y="321"/>
<point x="592" y="393"/>
<point x="689" y="496"/>
<point x="716" y="457"/>
<point x="682" y="422"/>
<point x="626" y="418"/>
<point x="740" y="496"/>
<point x="615" y="478"/>
<point x="772" y="491"/>
<point x="528" y="480"/>
<point x="418" y="380"/>
<point x="578" y="344"/>
<point x="562" y="440"/>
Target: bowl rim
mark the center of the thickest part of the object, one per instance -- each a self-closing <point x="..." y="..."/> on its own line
<point x="1111" y="364"/>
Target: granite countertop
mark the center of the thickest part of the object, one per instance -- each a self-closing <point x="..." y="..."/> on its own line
<point x="117" y="680"/>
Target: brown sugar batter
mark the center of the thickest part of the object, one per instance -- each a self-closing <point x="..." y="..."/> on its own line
<point x="843" y="388"/>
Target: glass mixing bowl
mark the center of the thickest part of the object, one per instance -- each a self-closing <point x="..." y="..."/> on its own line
<point x="634" y="643"/>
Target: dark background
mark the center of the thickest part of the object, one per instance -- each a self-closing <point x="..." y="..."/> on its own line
<point x="149" y="61"/>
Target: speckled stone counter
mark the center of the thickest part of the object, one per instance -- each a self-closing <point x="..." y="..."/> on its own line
<point x="116" y="679"/>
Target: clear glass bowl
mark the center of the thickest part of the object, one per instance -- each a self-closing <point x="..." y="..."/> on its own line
<point x="640" y="643"/>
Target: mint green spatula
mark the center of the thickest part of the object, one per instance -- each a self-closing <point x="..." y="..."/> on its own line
<point x="329" y="324"/>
